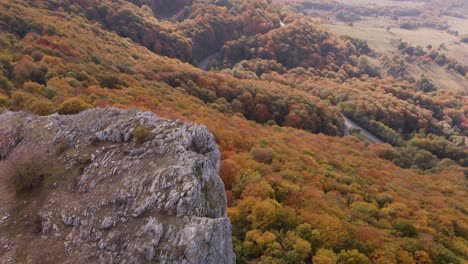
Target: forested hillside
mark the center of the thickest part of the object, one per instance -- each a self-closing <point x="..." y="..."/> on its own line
<point x="275" y="98"/>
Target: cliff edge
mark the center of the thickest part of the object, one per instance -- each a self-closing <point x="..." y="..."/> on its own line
<point x="110" y="186"/>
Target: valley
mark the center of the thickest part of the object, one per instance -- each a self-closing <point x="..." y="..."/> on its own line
<point x="339" y="129"/>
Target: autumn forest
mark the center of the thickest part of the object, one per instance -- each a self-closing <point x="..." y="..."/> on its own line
<point x="277" y="91"/>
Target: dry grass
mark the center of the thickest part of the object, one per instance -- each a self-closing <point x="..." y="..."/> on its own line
<point x="383" y="3"/>
<point x="374" y="31"/>
<point x="442" y="78"/>
<point x="458" y="24"/>
<point x="459" y="51"/>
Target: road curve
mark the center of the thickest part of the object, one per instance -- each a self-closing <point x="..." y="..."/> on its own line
<point x="203" y="64"/>
<point x="351" y="124"/>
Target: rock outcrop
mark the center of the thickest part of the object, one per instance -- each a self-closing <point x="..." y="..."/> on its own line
<point x="111" y="198"/>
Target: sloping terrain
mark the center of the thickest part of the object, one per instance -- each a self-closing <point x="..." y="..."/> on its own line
<point x="296" y="191"/>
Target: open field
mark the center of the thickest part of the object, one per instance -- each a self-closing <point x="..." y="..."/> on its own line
<point x="458" y="24"/>
<point x="374" y="31"/>
<point x="458" y="51"/>
<point x="382" y="3"/>
<point x="382" y="33"/>
<point x="424" y="36"/>
<point x="427" y="36"/>
<point x="442" y="78"/>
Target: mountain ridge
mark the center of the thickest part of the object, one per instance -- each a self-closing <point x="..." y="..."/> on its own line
<point x="113" y="196"/>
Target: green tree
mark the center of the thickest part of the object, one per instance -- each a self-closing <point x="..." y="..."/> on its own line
<point x="406" y="228"/>
<point x="424" y="159"/>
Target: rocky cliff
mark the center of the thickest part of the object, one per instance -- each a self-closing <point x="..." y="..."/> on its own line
<point x="113" y="186"/>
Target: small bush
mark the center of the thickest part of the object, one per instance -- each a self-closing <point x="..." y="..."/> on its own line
<point x="4" y="101"/>
<point x="34" y="88"/>
<point x="20" y="98"/>
<point x="464" y="39"/>
<point x="142" y="134"/>
<point x="50" y="92"/>
<point x="73" y="106"/>
<point x="27" y="168"/>
<point x="263" y="155"/>
<point x="41" y="107"/>
<point x="5" y="84"/>
<point x="111" y="82"/>
<point x="62" y="145"/>
<point x="27" y="70"/>
<point x="352" y="256"/>
<point x="384" y="198"/>
<point x="96" y="59"/>
<point x="406" y="228"/>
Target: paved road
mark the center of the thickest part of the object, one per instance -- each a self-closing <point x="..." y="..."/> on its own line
<point x="203" y="65"/>
<point x="350" y="123"/>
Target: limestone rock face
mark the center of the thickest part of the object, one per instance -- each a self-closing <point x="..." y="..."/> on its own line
<point x="117" y="200"/>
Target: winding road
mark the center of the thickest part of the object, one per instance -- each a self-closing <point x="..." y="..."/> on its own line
<point x="204" y="63"/>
